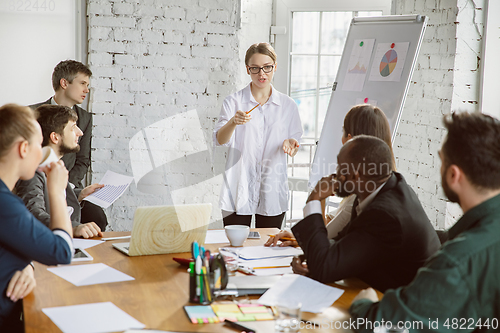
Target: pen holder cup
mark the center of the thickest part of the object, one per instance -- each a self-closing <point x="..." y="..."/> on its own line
<point x="201" y="287"/>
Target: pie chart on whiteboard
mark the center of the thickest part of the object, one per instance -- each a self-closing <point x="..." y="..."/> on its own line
<point x="388" y="63"/>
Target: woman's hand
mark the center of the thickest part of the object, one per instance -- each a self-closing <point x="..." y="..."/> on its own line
<point x="89" y="190"/>
<point x="241" y="118"/>
<point x="22" y="283"/>
<point x="291" y="147"/>
<point x="286" y="238"/>
<point x="57" y="176"/>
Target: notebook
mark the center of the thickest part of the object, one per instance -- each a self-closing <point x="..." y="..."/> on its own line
<point x="167" y="229"/>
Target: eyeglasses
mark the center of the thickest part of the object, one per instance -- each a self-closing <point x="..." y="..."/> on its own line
<point x="265" y="69"/>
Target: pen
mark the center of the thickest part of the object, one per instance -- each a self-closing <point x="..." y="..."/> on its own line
<point x="113" y="238"/>
<point x="252" y="109"/>
<point x="265" y="267"/>
<point x="207" y="284"/>
<point x="239" y="327"/>
<point x="285" y="238"/>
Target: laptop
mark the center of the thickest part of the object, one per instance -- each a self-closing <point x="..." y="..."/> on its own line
<point x="167" y="229"/>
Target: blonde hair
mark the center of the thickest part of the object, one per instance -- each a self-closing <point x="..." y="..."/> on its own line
<point x="261" y="48"/>
<point x="15" y="121"/>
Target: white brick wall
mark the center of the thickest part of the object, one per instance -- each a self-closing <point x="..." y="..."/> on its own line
<point x="157" y="59"/>
<point x="442" y="82"/>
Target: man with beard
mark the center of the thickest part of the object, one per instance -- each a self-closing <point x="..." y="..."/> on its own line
<point x="458" y="289"/>
<point x="389" y="236"/>
<point x="60" y="133"/>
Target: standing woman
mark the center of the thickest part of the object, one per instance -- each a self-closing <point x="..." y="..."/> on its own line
<point x="255" y="180"/>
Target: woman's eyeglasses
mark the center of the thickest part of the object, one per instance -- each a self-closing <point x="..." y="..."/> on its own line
<point x="265" y="69"/>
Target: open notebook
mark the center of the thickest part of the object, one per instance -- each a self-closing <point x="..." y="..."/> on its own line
<point x="167" y="229"/>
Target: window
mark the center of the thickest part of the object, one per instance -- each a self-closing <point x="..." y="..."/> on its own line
<point x="36" y="35"/>
<point x="490" y="64"/>
<point x="317" y="40"/>
<point x="309" y="54"/>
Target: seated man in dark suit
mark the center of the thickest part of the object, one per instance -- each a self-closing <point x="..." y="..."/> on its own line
<point x="389" y="236"/>
<point x="70" y="80"/>
<point x="458" y="289"/>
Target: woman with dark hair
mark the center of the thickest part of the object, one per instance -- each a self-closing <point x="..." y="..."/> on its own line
<point x="260" y="125"/>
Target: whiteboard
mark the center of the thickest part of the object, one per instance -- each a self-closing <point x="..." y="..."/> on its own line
<point x="379" y="76"/>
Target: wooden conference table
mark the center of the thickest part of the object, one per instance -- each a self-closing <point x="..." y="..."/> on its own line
<point x="157" y="295"/>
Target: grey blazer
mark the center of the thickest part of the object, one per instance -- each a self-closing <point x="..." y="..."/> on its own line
<point x="78" y="163"/>
<point x="35" y="196"/>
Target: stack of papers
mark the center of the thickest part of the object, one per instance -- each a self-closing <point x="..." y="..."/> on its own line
<point x="263" y="252"/>
<point x="265" y="261"/>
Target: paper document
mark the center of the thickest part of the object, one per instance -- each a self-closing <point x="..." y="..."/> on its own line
<point x="79" y="243"/>
<point x="273" y="271"/>
<point x="115" y="186"/>
<point x="100" y="317"/>
<point x="216" y="237"/>
<point x="267" y="263"/>
<point x="262" y="252"/>
<point x="150" y="331"/>
<point x="84" y="275"/>
<point x="292" y="288"/>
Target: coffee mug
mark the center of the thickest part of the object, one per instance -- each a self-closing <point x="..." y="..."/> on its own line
<point x="237" y="234"/>
<point x="48" y="156"/>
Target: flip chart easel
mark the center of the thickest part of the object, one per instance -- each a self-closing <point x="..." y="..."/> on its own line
<point x="376" y="67"/>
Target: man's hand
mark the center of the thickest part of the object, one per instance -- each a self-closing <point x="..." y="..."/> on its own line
<point x="291" y="147"/>
<point x="87" y="230"/>
<point x="299" y="265"/>
<point x="273" y="240"/>
<point x="325" y="187"/>
<point x="89" y="190"/>
<point x="369" y="293"/>
<point x="21" y="284"/>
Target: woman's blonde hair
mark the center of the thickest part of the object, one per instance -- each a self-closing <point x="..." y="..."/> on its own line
<point x="261" y="48"/>
<point x="15" y="121"/>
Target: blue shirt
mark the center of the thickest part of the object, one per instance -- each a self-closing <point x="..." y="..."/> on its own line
<point x="22" y="239"/>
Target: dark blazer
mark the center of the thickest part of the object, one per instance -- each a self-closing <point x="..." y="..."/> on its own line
<point x="78" y="163"/>
<point x="384" y="246"/>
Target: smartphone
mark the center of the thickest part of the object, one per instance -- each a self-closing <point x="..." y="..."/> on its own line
<point x="81" y="255"/>
<point x="254" y="234"/>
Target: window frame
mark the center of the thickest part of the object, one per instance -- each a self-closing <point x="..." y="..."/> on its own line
<point x="488" y="90"/>
<point x="282" y="17"/>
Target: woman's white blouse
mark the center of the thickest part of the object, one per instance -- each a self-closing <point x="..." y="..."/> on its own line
<point x="256" y="179"/>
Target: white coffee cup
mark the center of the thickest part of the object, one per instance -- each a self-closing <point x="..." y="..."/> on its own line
<point x="237" y="234"/>
<point x="48" y="156"/>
